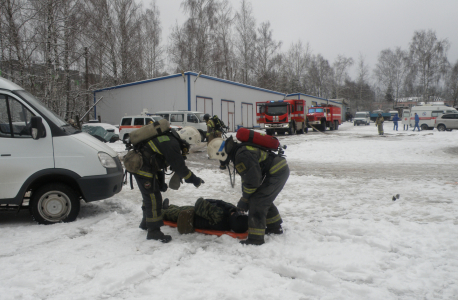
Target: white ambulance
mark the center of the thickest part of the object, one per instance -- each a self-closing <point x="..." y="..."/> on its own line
<point x="427" y="115"/>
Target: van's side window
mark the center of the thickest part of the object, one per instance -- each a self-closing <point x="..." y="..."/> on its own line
<point x="148" y="121"/>
<point x="14" y="113"/>
<point x="126" y="122"/>
<point x="165" y="116"/>
<point x="139" y="121"/>
<point x="177" y="118"/>
<point x="192" y="118"/>
<point x="436" y="113"/>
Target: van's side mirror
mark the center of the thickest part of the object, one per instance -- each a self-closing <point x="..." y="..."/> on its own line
<point x="37" y="127"/>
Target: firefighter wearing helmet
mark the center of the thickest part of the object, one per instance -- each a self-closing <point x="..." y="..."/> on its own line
<point x="264" y="175"/>
<point x="379" y="124"/>
<point x="158" y="153"/>
<point x="212" y="133"/>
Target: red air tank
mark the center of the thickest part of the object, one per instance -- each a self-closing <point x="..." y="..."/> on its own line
<point x="261" y="139"/>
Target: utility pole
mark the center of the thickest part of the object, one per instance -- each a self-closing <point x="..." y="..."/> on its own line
<point x="86" y="80"/>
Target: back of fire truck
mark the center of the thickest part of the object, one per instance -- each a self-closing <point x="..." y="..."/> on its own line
<point x="282" y="116"/>
<point x="320" y="117"/>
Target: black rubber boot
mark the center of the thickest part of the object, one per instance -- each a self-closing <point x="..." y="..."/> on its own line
<point x="252" y="242"/>
<point x="143" y="224"/>
<point x="165" y="203"/>
<point x="276" y="230"/>
<point x="158" y="235"/>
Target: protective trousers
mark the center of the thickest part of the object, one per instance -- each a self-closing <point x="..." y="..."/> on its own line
<point x="263" y="212"/>
<point x="152" y="202"/>
<point x="172" y="213"/>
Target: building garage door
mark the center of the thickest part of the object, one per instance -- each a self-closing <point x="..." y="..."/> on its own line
<point x="247" y="115"/>
<point x="204" y="105"/>
<point x="228" y="113"/>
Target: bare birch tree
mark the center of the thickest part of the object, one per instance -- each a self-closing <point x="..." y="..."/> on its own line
<point x="429" y="58"/>
<point x="245" y="40"/>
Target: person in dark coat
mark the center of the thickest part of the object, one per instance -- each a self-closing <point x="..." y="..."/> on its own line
<point x="395" y="122"/>
<point x="264" y="175"/>
<point x="417" y="121"/>
<point x="206" y="214"/>
<point x="158" y="154"/>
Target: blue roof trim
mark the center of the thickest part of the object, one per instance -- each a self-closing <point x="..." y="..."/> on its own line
<point x="137" y="83"/>
<point x="236" y="83"/>
<point x="300" y="94"/>
<point x="189" y="92"/>
<point x="189" y="74"/>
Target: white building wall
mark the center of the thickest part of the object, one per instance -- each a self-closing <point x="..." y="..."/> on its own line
<point x="131" y="99"/>
<point x="224" y="98"/>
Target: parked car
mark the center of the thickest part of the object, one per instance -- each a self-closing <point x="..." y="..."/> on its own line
<point x="362" y="117"/>
<point x="102" y="131"/>
<point x="186" y="118"/>
<point x="447" y="122"/>
<point x="48" y="166"/>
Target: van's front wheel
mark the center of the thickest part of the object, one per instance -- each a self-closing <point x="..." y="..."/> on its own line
<point x="53" y="203"/>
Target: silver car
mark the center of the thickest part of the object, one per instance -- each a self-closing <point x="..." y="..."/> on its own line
<point x="447" y="122"/>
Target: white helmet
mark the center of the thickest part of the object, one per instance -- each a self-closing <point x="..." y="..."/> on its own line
<point x="190" y="135"/>
<point x="215" y="149"/>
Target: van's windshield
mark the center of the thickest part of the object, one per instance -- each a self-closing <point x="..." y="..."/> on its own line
<point x="360" y="115"/>
<point x="46" y="112"/>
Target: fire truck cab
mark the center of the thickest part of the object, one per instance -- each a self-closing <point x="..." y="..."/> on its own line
<point x="325" y="115"/>
<point x="282" y="116"/>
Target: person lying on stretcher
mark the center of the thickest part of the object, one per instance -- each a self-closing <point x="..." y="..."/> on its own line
<point x="205" y="214"/>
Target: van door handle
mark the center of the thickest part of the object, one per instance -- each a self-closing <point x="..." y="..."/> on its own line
<point x="6" y="155"/>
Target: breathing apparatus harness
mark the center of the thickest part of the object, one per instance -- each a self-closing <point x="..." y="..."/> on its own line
<point x="231" y="147"/>
<point x="156" y="159"/>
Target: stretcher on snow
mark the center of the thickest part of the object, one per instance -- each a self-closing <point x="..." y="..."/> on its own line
<point x="213" y="232"/>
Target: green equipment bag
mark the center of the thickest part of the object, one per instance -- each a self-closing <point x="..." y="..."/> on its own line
<point x="133" y="161"/>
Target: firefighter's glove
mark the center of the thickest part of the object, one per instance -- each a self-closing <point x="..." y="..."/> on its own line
<point x="242" y="205"/>
<point x="195" y="180"/>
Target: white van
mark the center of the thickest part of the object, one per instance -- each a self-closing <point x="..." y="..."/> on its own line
<point x="362" y="117"/>
<point x="186" y="118"/>
<point x="428" y="114"/>
<point x="131" y="123"/>
<point x="48" y="164"/>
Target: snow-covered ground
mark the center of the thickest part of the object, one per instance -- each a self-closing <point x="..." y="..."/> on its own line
<point x="345" y="238"/>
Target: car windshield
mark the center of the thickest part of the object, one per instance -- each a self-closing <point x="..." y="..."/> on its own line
<point x="47" y="113"/>
<point x="360" y="115"/>
<point x="314" y="110"/>
<point x="200" y="116"/>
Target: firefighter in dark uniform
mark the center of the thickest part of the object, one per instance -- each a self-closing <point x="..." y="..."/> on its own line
<point x="158" y="154"/>
<point x="211" y="129"/>
<point x="206" y="214"/>
<point x="212" y="133"/>
<point x="263" y="175"/>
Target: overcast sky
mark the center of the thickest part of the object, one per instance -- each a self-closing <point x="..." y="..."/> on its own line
<point x="347" y="27"/>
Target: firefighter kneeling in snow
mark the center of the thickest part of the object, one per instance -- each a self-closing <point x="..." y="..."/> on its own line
<point x="264" y="175"/>
<point x="158" y="153"/>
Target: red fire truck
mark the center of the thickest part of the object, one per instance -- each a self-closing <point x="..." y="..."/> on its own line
<point x="282" y="116"/>
<point x="325" y="115"/>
